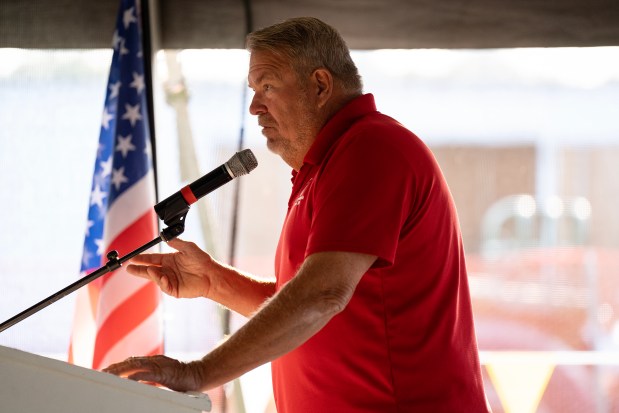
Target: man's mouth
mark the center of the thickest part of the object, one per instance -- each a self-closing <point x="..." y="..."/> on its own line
<point x="265" y="121"/>
<point x="266" y="128"/>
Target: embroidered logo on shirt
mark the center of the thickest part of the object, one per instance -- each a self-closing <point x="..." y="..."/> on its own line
<point x="301" y="196"/>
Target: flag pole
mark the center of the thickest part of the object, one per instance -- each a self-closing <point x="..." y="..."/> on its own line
<point x="150" y="46"/>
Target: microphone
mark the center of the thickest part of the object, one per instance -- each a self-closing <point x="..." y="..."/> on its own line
<point x="173" y="209"/>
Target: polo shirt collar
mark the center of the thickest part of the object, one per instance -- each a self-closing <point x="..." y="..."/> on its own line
<point x="337" y="125"/>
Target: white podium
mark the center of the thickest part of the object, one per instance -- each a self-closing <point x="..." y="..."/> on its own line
<point x="31" y="383"/>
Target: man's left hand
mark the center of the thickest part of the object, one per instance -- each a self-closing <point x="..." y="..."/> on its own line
<point x="166" y="371"/>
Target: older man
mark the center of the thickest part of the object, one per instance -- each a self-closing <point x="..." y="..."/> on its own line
<point x="370" y="308"/>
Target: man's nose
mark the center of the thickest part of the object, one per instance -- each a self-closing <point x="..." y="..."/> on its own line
<point x="256" y="107"/>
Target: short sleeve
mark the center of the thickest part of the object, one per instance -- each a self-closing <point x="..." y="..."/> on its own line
<point x="362" y="196"/>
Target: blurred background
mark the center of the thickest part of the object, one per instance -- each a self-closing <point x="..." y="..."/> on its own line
<point x="527" y="137"/>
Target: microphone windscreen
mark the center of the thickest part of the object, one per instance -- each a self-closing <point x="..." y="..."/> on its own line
<point x="242" y="163"/>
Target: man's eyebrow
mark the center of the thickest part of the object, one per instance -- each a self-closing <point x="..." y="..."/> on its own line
<point x="255" y="81"/>
<point x="267" y="75"/>
<point x="260" y="78"/>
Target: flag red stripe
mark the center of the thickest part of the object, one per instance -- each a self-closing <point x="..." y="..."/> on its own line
<point x="124" y="319"/>
<point x="139" y="306"/>
<point x="132" y="237"/>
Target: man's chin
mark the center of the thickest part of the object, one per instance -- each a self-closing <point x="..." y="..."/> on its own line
<point x="271" y="137"/>
<point x="272" y="145"/>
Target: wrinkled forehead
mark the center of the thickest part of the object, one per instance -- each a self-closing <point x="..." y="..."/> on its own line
<point x="268" y="57"/>
<point x="264" y="64"/>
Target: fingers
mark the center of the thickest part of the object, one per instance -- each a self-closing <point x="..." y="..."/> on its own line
<point x="138" y="270"/>
<point x="157" y="258"/>
<point x="126" y="367"/>
<point x="150" y="273"/>
<point x="149" y="369"/>
<point x="148" y="259"/>
<point x="154" y="274"/>
<point x="160" y="369"/>
<point x="178" y="244"/>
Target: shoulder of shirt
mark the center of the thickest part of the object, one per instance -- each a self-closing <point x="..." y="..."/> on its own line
<point x="376" y="125"/>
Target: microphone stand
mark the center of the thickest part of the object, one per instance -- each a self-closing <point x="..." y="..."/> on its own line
<point x="173" y="215"/>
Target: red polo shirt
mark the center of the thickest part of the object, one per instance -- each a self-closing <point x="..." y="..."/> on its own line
<point x="405" y="342"/>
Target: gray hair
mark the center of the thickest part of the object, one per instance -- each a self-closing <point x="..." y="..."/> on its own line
<point x="309" y="43"/>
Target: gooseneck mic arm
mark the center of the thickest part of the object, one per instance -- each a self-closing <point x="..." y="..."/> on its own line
<point x="171" y="210"/>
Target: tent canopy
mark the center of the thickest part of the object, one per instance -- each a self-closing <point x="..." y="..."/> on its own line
<point x="365" y="24"/>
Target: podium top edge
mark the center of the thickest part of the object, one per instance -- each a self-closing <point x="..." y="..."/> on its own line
<point x="194" y="400"/>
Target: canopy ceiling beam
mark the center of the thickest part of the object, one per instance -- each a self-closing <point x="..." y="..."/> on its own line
<point x="366" y="24"/>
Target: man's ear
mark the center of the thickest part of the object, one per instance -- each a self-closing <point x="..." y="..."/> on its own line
<point x="323" y="81"/>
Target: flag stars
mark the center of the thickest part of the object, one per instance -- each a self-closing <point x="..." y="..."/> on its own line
<point x="128" y="17"/>
<point x="100" y="246"/>
<point x="138" y="82"/>
<point x="106" y="118"/>
<point x="115" y="89"/>
<point x="96" y="196"/>
<point x="89" y="225"/>
<point x="125" y="145"/>
<point x="132" y="113"/>
<point x="86" y="257"/>
<point x="116" y="40"/>
<point x="123" y="49"/>
<point x="106" y="167"/>
<point x="118" y="177"/>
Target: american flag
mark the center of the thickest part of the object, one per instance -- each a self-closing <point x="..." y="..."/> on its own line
<point x="119" y="315"/>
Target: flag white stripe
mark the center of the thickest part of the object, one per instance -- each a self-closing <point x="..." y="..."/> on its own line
<point x="145" y="336"/>
<point x="117" y="289"/>
<point x="130" y="206"/>
<point x="83" y="334"/>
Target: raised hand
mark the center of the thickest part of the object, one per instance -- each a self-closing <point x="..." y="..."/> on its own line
<point x="181" y="274"/>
